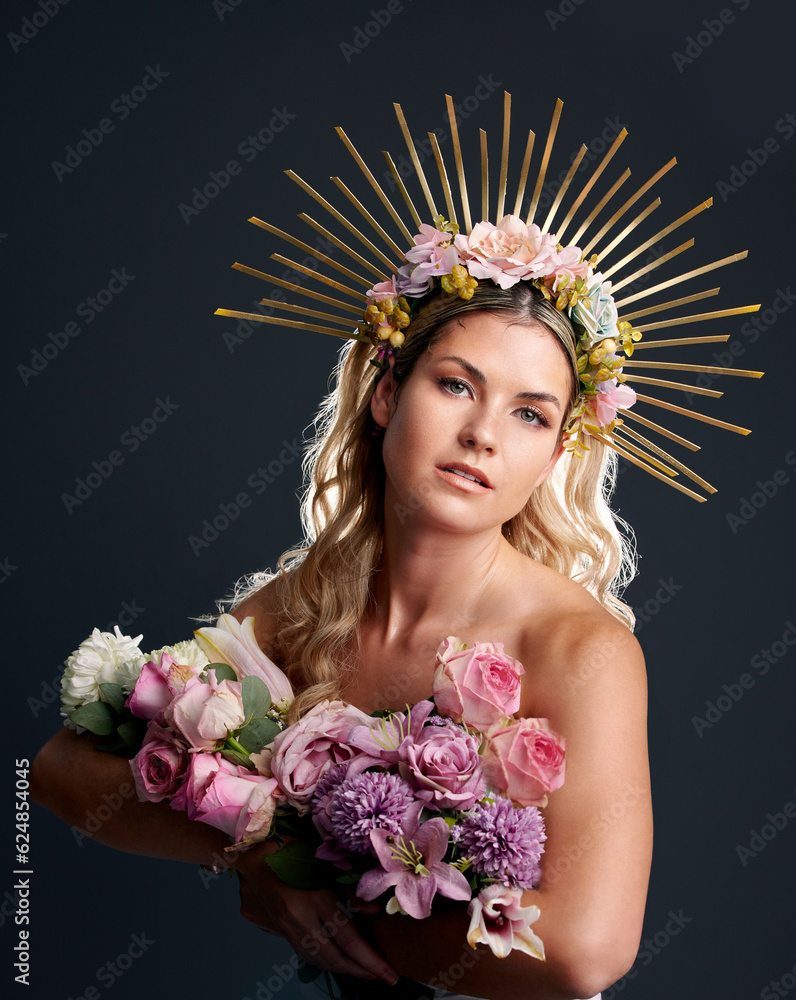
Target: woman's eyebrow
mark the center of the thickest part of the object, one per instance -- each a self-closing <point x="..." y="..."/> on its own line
<point x="478" y="376"/>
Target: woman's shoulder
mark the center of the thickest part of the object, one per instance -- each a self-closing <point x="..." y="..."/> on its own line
<point x="261" y="598"/>
<point x="568" y="639"/>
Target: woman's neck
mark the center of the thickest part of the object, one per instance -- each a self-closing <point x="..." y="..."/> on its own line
<point x="429" y="579"/>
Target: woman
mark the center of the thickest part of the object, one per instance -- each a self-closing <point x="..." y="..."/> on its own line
<point x="443" y="503"/>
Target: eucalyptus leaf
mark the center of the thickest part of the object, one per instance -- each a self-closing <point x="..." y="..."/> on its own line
<point x="256" y="697"/>
<point x="297" y="865"/>
<point x="132" y="732"/>
<point x="257" y="734"/>
<point x="97" y="717"/>
<point x="114" y="695"/>
<point x="224" y="672"/>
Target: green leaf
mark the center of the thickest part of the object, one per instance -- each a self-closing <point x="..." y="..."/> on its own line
<point x="297" y="865"/>
<point x="116" y="745"/>
<point x="97" y="717"/>
<point x="132" y="732"/>
<point x="238" y="758"/>
<point x="224" y="672"/>
<point x="256" y="697"/>
<point x="258" y="733"/>
<point x="114" y="695"/>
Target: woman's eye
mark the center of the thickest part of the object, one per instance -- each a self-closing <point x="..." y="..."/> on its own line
<point x="454" y="385"/>
<point x="532" y="417"/>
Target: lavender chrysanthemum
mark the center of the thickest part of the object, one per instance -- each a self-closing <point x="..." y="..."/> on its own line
<point x="369" y="801"/>
<point x="504" y="843"/>
<point x="330" y="780"/>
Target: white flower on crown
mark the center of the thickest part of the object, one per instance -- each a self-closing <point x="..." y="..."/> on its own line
<point x="596" y="312"/>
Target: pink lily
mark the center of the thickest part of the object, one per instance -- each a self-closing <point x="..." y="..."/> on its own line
<point x="498" y="919"/>
<point x="414" y="866"/>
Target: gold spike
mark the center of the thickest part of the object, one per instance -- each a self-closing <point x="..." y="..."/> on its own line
<point x="416" y="162"/>
<point x="676" y="366"/>
<point x="374" y="184"/>
<point x="314" y="313"/>
<point x="341" y="219"/>
<point x="654" y="239"/>
<point x="692" y="413"/>
<point x="402" y="187"/>
<point x="652" y="266"/>
<point x="651" y="310"/>
<point x="443" y="175"/>
<point x="457" y="154"/>
<point x="666" y="456"/>
<point x="648" y="468"/>
<point x="698" y="317"/>
<point x="298" y="288"/>
<point x="599" y="207"/>
<point x="626" y="232"/>
<point x="682" y="342"/>
<point x="591" y="182"/>
<point x="369" y="218"/>
<point x="697" y="390"/>
<point x="504" y="157"/>
<point x="319" y="277"/>
<point x="296" y="324"/>
<point x="484" y="176"/>
<point x="629" y="203"/>
<point x="320" y="256"/>
<point x="641" y="453"/>
<point x="551" y="135"/>
<point x="563" y="189"/>
<point x="683" y="277"/>
<point x="630" y="415"/>
<point x="367" y="282"/>
<point x="526" y="162"/>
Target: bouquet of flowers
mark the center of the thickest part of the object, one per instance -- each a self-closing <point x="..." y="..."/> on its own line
<point x="442" y="798"/>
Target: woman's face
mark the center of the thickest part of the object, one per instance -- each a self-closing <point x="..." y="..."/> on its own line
<point x="487" y="401"/>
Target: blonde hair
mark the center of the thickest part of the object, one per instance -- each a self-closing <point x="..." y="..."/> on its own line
<point x="324" y="584"/>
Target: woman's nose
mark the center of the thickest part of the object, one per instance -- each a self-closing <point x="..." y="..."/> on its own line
<point x="480" y="432"/>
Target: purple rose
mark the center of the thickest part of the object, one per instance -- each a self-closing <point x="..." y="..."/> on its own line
<point x="443" y="767"/>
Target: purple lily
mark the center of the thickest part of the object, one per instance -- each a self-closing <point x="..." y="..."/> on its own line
<point x="413" y="864"/>
<point x="380" y="739"/>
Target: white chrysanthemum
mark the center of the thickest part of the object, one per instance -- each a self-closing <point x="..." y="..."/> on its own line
<point x="103" y="658"/>
<point x="188" y="652"/>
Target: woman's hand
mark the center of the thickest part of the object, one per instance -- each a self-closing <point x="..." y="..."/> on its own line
<point x="316" y="923"/>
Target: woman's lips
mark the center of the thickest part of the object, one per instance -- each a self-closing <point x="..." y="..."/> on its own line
<point x="453" y="474"/>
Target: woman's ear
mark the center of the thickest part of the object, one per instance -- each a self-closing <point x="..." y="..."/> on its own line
<point x="381" y="402"/>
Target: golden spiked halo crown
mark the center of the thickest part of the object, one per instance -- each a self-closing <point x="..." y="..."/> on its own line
<point x="383" y="264"/>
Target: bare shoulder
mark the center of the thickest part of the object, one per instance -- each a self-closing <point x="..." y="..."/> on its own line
<point x="575" y="650"/>
<point x="263" y="604"/>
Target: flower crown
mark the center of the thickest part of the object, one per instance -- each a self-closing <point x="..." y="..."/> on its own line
<point x="507" y="253"/>
<point x="456" y="255"/>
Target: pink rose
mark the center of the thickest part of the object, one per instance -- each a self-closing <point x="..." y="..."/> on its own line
<point x="305" y="751"/>
<point x="228" y="797"/>
<point x="507" y="253"/>
<point x="159" y="765"/>
<point x="525" y="760"/>
<point x="203" y="713"/>
<point x="157" y="684"/>
<point x="477" y="685"/>
<point x="443" y="767"/>
<point x="498" y="919"/>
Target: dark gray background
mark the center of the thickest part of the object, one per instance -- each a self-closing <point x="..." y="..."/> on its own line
<point x="225" y="69"/>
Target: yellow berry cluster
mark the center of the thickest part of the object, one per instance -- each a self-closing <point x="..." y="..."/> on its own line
<point x="459" y="283"/>
<point x="388" y="319"/>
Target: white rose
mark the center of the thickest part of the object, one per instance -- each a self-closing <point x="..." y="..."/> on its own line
<point x="188" y="653"/>
<point x="103" y="658"/>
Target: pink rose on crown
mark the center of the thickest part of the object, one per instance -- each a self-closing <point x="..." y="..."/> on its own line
<point x="508" y="252"/>
<point x="477" y="685"/>
<point x="525" y="761"/>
